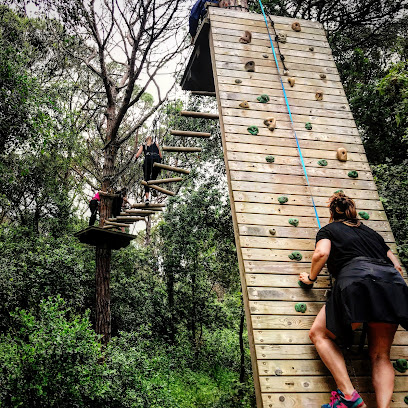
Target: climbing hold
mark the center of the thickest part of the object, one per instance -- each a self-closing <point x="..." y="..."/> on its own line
<point x="311" y="48"/>
<point x="250" y="66"/>
<point x="401" y="365"/>
<point x="406" y="399"/>
<point x="342" y="154"/>
<point x="246" y="38"/>
<point x="301" y="307"/>
<point x="253" y="130"/>
<point x="308" y="126"/>
<point x="294" y="222"/>
<point x="352" y="174"/>
<point x="244" y="105"/>
<point x="323" y="76"/>
<point x="270" y="159"/>
<point x="291" y="81"/>
<point x="364" y="214"/>
<point x="270" y="123"/>
<point x="319" y="96"/>
<point x="263" y="98"/>
<point x="322" y="162"/>
<point x="305" y="285"/>
<point x="285" y="72"/>
<point x="265" y="55"/>
<point x="272" y="231"/>
<point x="338" y="191"/>
<point x="238" y="81"/>
<point x="281" y="37"/>
<point x="295" y="256"/>
<point x="283" y="199"/>
<point x="296" y="26"/>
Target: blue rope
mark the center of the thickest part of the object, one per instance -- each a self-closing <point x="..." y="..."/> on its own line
<point x="290" y="113"/>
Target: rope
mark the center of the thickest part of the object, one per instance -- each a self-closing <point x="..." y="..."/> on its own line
<point x="289" y="111"/>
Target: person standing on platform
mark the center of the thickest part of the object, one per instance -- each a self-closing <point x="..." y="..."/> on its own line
<point x="94" y="204"/>
<point x="369" y="288"/>
<point x="152" y="155"/>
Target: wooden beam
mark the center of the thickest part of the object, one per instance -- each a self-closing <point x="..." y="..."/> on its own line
<point x="137" y="212"/>
<point x="203" y="115"/>
<point x="203" y="93"/>
<point x="181" y="149"/>
<point x="164" y="181"/>
<point x="129" y="218"/>
<point x="150" y="206"/>
<point x="171" y="168"/>
<point x="189" y="134"/>
<point x="116" y="224"/>
<point x="162" y="190"/>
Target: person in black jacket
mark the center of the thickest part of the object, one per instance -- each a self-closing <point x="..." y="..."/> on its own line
<point x="369" y="288"/>
<point x="152" y="155"/>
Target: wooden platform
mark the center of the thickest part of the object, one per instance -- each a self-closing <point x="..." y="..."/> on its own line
<point x="287" y="369"/>
<point x="104" y="238"/>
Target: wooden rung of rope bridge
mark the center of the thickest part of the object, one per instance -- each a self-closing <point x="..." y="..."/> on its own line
<point x="138" y="212"/>
<point x="171" y="168"/>
<point x="128" y="218"/>
<point x="203" y="115"/>
<point x="149" y="206"/>
<point x="162" y="190"/>
<point x="204" y="93"/>
<point x="186" y="133"/>
<point x="164" y="181"/>
<point x="181" y="149"/>
<point x="116" y="224"/>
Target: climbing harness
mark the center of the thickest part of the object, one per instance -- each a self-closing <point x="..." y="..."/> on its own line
<point x="287" y="103"/>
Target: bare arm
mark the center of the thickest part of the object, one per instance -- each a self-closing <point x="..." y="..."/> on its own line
<point x="160" y="153"/>
<point x="395" y="261"/>
<point x="319" y="258"/>
<point x="139" y="152"/>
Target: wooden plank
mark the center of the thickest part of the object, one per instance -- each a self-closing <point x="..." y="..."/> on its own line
<point x="282" y="189"/>
<point x="287" y="352"/>
<point x="313" y="181"/>
<point x="160" y="189"/>
<point x="151" y="205"/>
<point x="285" y="322"/>
<point x="165" y="181"/>
<point x="181" y="149"/>
<point x="313" y="400"/>
<point x="277" y="105"/>
<point x="271" y="307"/>
<point x="275" y="267"/>
<point x="202" y="115"/>
<point x="294" y="161"/>
<point x="186" y="133"/>
<point x="282" y="281"/>
<point x="246" y="88"/>
<point x="297" y="170"/>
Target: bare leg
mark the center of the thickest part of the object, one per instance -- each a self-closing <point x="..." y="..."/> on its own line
<point x="380" y="338"/>
<point x="330" y="353"/>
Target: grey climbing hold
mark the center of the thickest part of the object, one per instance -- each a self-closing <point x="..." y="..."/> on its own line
<point x="295" y="256"/>
<point x="323" y="76"/>
<point x="308" y="126"/>
<point x="270" y="159"/>
<point x="265" y="55"/>
<point x="238" y="81"/>
<point x="250" y="66"/>
<point x="352" y="174"/>
<point x="311" y="48"/>
<point x="285" y="72"/>
<point x="283" y="199"/>
<point x="322" y="162"/>
<point x="294" y="222"/>
<point x="364" y="214"/>
<point x="281" y="37"/>
<point x="253" y="130"/>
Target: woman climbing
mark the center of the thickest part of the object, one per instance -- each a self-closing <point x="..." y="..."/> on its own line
<point x="152" y="155"/>
<point x="369" y="288"/>
<point x="94" y="204"/>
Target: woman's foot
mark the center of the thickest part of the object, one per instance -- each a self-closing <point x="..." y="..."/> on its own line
<point x="147" y="202"/>
<point x="339" y="400"/>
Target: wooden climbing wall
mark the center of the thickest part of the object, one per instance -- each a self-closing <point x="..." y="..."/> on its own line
<point x="287" y="369"/>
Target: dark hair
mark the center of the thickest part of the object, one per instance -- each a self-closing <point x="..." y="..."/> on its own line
<point x="342" y="208"/>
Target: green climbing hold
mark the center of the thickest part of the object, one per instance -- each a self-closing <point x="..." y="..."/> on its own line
<point x="406" y="399"/>
<point x="270" y="159"/>
<point x="294" y="222"/>
<point x="352" y="174"/>
<point x="364" y="214"/>
<point x="301" y="307"/>
<point x="308" y="126"/>
<point x="263" y="98"/>
<point x="295" y="256"/>
<point x="338" y="191"/>
<point x="253" y="130"/>
<point x="305" y="285"/>
<point x="283" y="199"/>
<point x="401" y="365"/>
<point x="322" y="162"/>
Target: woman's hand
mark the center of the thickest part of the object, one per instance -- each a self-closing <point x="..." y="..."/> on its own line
<point x="304" y="277"/>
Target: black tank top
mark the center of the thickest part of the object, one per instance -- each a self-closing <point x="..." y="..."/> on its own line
<point x="151" y="150"/>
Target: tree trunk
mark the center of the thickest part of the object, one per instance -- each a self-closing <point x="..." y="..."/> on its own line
<point x="148" y="230"/>
<point x="103" y="313"/>
<point x="241" y="344"/>
<point x="170" y="297"/>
